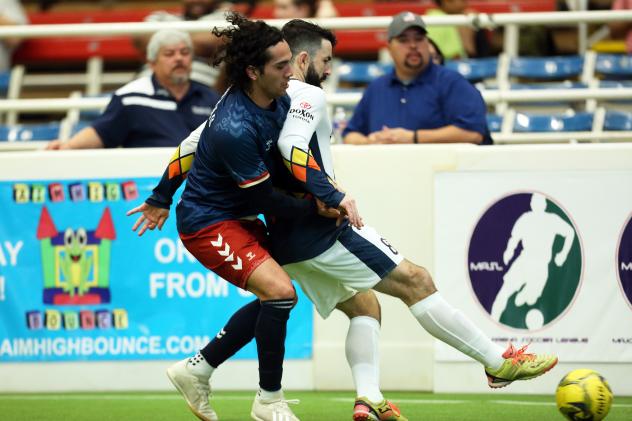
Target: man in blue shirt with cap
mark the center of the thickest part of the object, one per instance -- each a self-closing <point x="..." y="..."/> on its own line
<point x="419" y="101"/>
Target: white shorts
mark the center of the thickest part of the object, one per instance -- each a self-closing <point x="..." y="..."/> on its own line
<point x="358" y="260"/>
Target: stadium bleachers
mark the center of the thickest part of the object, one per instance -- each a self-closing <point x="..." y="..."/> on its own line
<point x="546" y="68"/>
<point x="579" y="122"/>
<point x="475" y="70"/>
<point x="614" y="66"/>
<point x="496" y="74"/>
<point x="29" y="132"/>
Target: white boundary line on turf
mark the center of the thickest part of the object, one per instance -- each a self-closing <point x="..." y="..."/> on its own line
<point x="416" y="401"/>
<point x="507" y="402"/>
<point x="458" y="401"/>
<point x="111" y="397"/>
<point x="174" y="397"/>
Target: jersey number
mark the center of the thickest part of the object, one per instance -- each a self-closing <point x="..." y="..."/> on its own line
<point x="387" y="244"/>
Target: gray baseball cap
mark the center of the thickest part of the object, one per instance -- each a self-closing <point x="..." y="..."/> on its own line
<point x="404" y="21"/>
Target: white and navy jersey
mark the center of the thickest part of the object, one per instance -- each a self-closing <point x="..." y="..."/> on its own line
<point x="304" y="142"/>
<point x="305" y="147"/>
<point x="144" y="114"/>
<point x="236" y="150"/>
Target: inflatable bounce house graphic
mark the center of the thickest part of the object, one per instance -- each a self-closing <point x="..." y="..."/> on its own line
<point x="76" y="262"/>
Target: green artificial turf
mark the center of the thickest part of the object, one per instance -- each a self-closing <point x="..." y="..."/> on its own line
<point x="314" y="406"/>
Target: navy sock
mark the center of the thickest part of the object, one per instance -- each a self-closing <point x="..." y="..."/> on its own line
<point x="239" y="330"/>
<point x="270" y="335"/>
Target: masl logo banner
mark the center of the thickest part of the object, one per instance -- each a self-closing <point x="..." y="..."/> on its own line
<point x="541" y="258"/>
<point x="77" y="284"/>
<point x="525" y="261"/>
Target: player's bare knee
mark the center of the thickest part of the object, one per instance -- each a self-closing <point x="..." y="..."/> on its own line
<point x="362" y="304"/>
<point x="278" y="291"/>
<point x="419" y="282"/>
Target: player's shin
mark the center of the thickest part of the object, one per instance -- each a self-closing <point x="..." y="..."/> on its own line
<point x="362" y="351"/>
<point x="270" y="332"/>
<point x="238" y="332"/>
<point x="449" y="325"/>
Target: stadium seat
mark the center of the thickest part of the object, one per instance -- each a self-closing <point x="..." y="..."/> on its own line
<point x="4" y="82"/>
<point x="617" y="121"/>
<point x="27" y="132"/>
<point x="474" y="69"/>
<point x="361" y="71"/>
<point x="546" y="68"/>
<point x="614" y="66"/>
<point x="494" y="122"/>
<point x="579" y="122"/>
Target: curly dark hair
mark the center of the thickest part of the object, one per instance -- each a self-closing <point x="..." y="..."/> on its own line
<point x="246" y="44"/>
<point x="306" y="36"/>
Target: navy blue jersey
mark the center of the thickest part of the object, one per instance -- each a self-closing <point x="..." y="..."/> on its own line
<point x="236" y="150"/>
<point x="144" y="114"/>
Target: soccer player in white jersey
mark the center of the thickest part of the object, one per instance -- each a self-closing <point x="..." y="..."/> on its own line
<point x="333" y="266"/>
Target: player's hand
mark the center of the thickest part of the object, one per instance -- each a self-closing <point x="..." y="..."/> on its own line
<point x="151" y="217"/>
<point x="327" y="211"/>
<point x="348" y="208"/>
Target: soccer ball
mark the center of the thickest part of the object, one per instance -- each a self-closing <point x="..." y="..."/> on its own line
<point x="583" y="394"/>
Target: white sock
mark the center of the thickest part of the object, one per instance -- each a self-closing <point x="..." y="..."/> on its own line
<point x="361" y="348"/>
<point x="269" y="396"/>
<point x="197" y="365"/>
<point x="448" y="324"/>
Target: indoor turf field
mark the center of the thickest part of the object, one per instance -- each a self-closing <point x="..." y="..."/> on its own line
<point x="314" y="406"/>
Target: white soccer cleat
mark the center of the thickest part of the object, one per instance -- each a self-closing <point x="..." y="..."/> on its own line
<point x="194" y="389"/>
<point x="272" y="409"/>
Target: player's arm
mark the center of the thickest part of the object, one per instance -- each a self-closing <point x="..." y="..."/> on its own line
<point x="272" y="202"/>
<point x="155" y="210"/>
<point x="176" y="171"/>
<point x="247" y="167"/>
<point x="306" y="112"/>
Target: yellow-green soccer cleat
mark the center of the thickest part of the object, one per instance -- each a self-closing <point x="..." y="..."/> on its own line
<point x="519" y="365"/>
<point x="365" y="410"/>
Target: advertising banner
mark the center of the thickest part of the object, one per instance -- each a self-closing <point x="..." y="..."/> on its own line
<point x="542" y="258"/>
<point x="77" y="284"/>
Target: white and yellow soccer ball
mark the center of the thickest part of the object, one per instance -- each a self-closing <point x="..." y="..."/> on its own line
<point x="583" y="394"/>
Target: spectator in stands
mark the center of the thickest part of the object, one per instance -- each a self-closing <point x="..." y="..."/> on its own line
<point x="622" y="29"/>
<point x="11" y="13"/>
<point x="457" y="42"/>
<point x="204" y="44"/>
<point x="301" y="9"/>
<point x="157" y="110"/>
<point x="436" y="55"/>
<point x="419" y="101"/>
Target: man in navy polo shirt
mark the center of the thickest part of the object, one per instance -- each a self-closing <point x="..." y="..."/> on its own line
<point x="419" y="101"/>
<point x="153" y="111"/>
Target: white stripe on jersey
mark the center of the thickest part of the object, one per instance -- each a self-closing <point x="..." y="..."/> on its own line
<point x="149" y="102"/>
<point x="190" y="143"/>
<point x="142" y="85"/>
